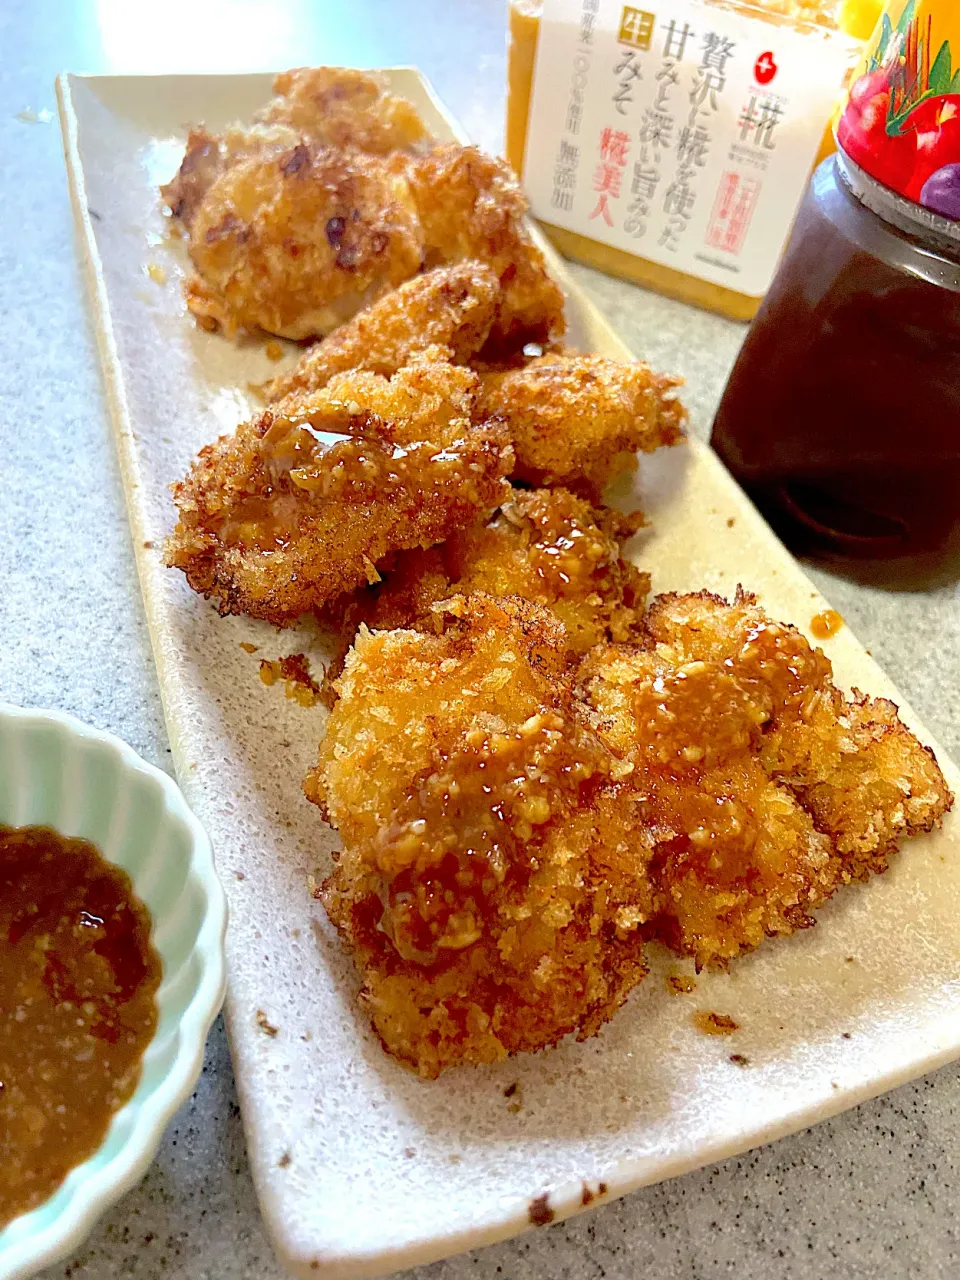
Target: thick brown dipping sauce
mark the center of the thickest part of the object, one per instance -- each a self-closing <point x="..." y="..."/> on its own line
<point x="78" y="978"/>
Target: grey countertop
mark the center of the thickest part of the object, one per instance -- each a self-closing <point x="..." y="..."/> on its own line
<point x="872" y="1193"/>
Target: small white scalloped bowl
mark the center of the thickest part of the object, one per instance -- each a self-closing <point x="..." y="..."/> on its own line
<point x="57" y="772"/>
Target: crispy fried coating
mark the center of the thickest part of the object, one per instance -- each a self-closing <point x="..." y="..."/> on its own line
<point x="293" y="241"/>
<point x="545" y="545"/>
<point x="452" y="307"/>
<point x="759" y="787"/>
<point x="579" y="420"/>
<point x="485" y="885"/>
<point x="510" y="834"/>
<point x="313" y="212"/>
<point x="303" y="503"/>
<point x="733" y="856"/>
<point x="861" y="774"/>
<point x="328" y="106"/>
<point x="471" y="207"/>
<point x="340" y="107"/>
<point x="207" y="156"/>
<point x="203" y="162"/>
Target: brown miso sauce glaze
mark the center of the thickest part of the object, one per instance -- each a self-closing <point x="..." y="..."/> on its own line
<point x="78" y="978"/>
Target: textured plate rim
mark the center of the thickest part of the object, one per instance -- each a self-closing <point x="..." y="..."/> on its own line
<point x="102" y="1187"/>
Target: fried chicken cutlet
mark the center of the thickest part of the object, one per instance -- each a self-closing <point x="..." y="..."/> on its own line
<point x="758" y="786"/>
<point x="305" y="501"/>
<point x="208" y="156"/>
<point x="332" y="107"/>
<point x="471" y="207"/>
<point x="579" y="420"/>
<point x="340" y="107"/>
<point x="545" y="545"/>
<point x="451" y="307"/>
<point x="295" y="242"/>
<point x="293" y="237"/>
<point x="574" y="419"/>
<point x="485" y="886"/>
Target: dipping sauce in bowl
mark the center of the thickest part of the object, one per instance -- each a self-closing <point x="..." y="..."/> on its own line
<point x="78" y="979"/>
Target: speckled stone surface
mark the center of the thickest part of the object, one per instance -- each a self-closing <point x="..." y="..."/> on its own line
<point x="871" y="1193"/>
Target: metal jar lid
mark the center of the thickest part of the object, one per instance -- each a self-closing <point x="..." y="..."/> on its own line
<point x="931" y="230"/>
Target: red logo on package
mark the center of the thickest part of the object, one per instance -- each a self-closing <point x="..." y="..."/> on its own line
<point x="765" y="68"/>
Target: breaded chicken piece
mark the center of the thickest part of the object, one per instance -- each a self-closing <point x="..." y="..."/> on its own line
<point x="208" y="156"/>
<point x="861" y="774"/>
<point x="293" y="236"/>
<point x="292" y="241"/>
<point x="759" y="787"/>
<point x="485" y="886"/>
<point x="304" y="502"/>
<point x="328" y="106"/>
<point x="204" y="160"/>
<point x="471" y="207"/>
<point x="452" y="307"/>
<point x="340" y="107"/>
<point x="733" y="856"/>
<point x="545" y="545"/>
<point x="579" y="420"/>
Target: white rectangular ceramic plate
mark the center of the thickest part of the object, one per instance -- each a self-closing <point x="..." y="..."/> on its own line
<point x="362" y="1168"/>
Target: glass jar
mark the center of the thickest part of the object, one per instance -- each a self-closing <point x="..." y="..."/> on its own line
<point x="841" y="417"/>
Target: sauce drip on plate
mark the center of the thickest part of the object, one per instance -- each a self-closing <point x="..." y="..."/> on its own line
<point x="826" y="624"/>
<point x="78" y="978"/>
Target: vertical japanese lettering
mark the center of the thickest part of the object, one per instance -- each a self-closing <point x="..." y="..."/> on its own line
<point x="567" y="159"/>
<point x="614" y="145"/>
<point x="693" y="141"/>
<point x="627" y="70"/>
<point x="657" y="130"/>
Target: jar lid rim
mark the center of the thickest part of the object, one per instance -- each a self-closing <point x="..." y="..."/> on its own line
<point x="910" y="217"/>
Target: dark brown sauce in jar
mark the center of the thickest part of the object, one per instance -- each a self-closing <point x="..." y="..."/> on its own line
<point x="78" y="978"/>
<point x="841" y="418"/>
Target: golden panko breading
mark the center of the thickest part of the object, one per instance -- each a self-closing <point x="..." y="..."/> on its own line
<point x="545" y="545"/>
<point x="579" y="420"/>
<point x="327" y="106"/>
<point x="304" y="502"/>
<point x="296" y="242"/>
<point x="208" y="156"/>
<point x="331" y="197"/>
<point x="452" y="307"/>
<point x="202" y="164"/>
<point x="509" y="837"/>
<point x="471" y="207"/>
<point x="485" y="886"/>
<point x="759" y="788"/>
<point x="862" y="775"/>
<point x="339" y="107"/>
